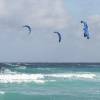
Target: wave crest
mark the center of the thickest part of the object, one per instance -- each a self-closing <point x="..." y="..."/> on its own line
<point x="70" y="75"/>
<point x="19" y="78"/>
<point x="42" y="78"/>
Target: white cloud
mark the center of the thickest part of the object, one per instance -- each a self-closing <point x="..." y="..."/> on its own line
<point x="37" y="13"/>
<point x="2" y="8"/>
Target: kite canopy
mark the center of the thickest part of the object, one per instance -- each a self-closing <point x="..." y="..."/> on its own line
<point x="28" y="27"/>
<point x="85" y="29"/>
<point x="59" y="36"/>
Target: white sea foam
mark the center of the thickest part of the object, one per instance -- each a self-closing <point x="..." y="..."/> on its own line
<point x="19" y="78"/>
<point x="7" y="71"/>
<point x="71" y="75"/>
<point x="22" y="67"/>
<point x="2" y="92"/>
<point x="42" y="78"/>
<point x="13" y="65"/>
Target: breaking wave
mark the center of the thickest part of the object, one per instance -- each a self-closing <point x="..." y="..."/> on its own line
<point x="19" y="78"/>
<point x="9" y="76"/>
<point x="7" y="71"/>
<point x="2" y="92"/>
<point x="42" y="78"/>
<point x="71" y="75"/>
<point x="21" y="67"/>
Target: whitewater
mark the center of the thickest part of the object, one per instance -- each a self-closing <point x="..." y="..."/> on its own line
<point x="30" y="81"/>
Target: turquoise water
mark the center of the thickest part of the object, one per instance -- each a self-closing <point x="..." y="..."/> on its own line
<point x="49" y="81"/>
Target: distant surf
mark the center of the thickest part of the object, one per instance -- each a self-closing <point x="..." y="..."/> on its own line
<point x="49" y="81"/>
<point x="14" y="77"/>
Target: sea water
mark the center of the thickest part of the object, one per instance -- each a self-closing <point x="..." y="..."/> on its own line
<point x="45" y="81"/>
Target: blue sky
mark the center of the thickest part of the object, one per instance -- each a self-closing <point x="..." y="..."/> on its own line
<point x="45" y="17"/>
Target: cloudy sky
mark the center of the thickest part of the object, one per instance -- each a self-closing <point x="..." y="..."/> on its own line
<point x="45" y="17"/>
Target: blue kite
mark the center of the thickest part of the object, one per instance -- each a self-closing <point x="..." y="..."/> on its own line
<point x="59" y="36"/>
<point x="85" y="29"/>
<point x="29" y="28"/>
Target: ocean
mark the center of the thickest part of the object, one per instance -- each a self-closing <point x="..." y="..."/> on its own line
<point x="49" y="81"/>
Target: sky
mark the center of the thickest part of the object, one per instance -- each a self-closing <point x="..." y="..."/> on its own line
<point x="45" y="17"/>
